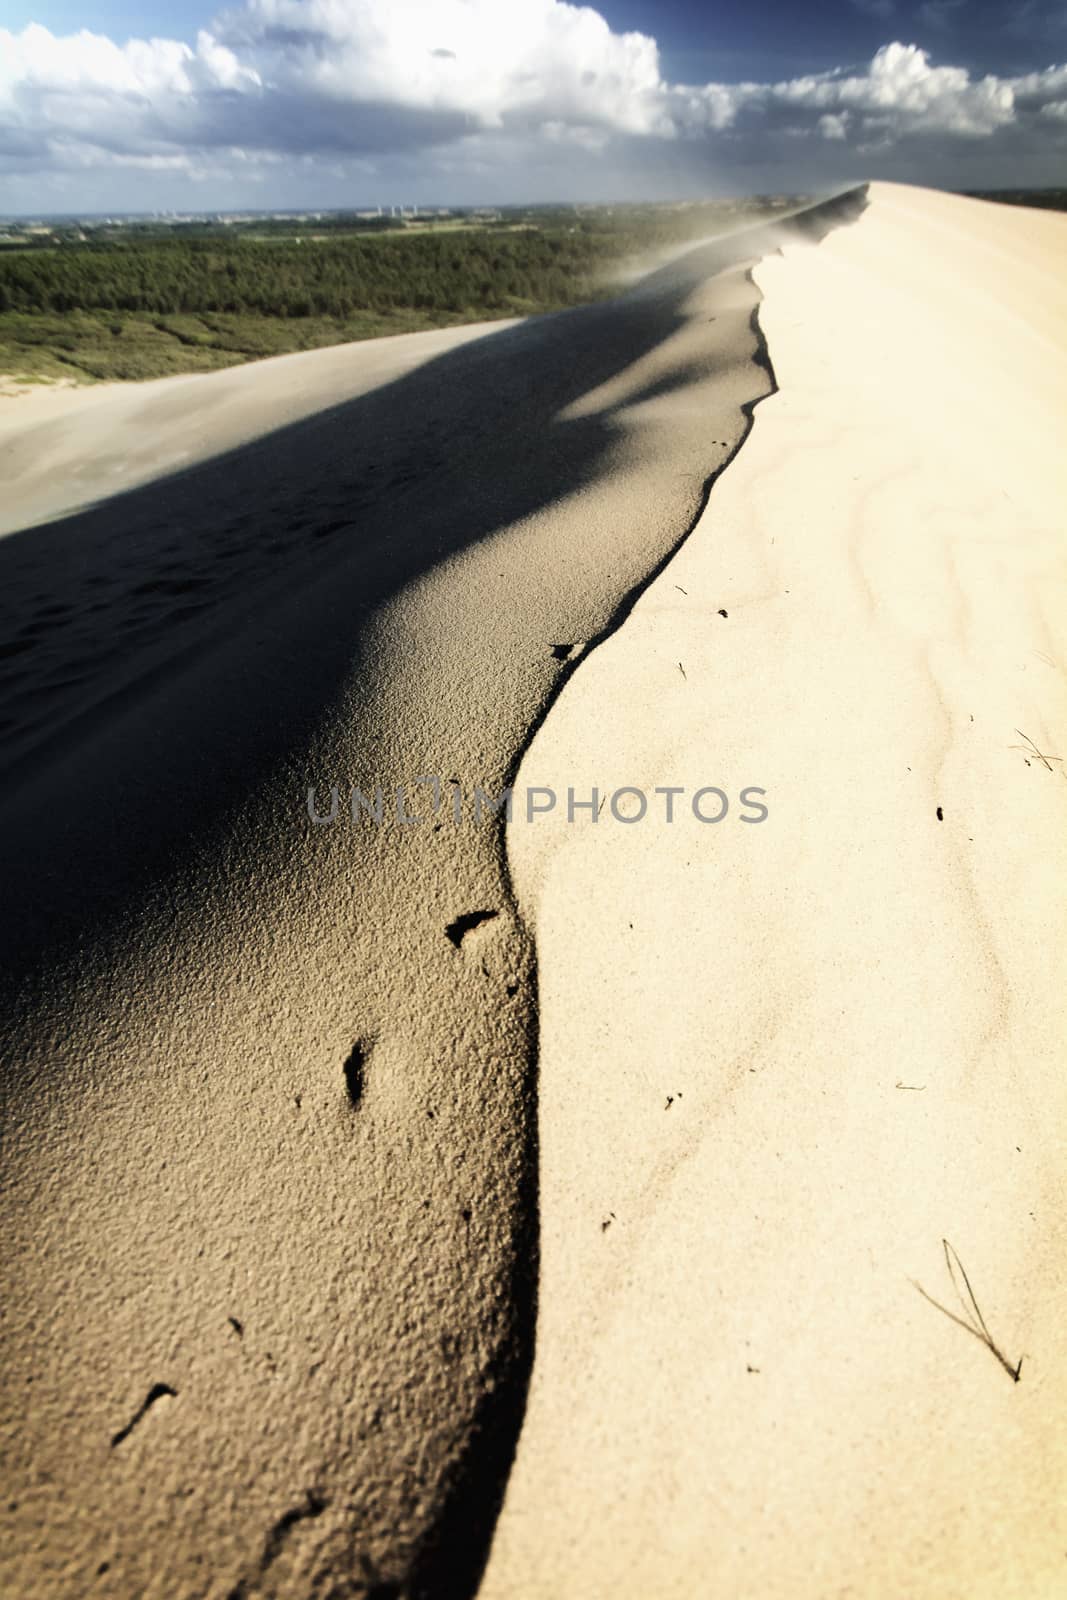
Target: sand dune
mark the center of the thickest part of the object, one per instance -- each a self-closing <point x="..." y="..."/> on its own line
<point x="270" y="1205"/>
<point x="68" y="448"/>
<point x="780" y="1063"/>
<point x="312" y="1128"/>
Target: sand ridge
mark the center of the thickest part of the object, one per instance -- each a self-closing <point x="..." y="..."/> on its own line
<point x="271" y="1198"/>
<point x="780" y="1064"/>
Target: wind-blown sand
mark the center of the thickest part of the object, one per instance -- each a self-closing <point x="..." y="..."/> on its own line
<point x="780" y="1063"/>
<point x="270" y="1208"/>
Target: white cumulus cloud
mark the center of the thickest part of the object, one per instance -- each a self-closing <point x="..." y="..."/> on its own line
<point x="379" y="81"/>
<point x="833" y="125"/>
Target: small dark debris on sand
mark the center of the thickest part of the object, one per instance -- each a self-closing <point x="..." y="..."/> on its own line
<point x="458" y="930"/>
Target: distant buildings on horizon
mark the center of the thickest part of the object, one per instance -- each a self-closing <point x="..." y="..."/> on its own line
<point x="47" y="222"/>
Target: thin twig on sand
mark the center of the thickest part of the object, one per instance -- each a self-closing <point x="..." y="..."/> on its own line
<point x="972" y="1319"/>
<point x="1039" y="755"/>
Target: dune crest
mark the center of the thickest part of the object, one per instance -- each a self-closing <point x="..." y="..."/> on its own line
<point x="270" y="1201"/>
<point x="798" y="1078"/>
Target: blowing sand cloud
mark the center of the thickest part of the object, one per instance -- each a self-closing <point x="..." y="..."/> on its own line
<point x="373" y="80"/>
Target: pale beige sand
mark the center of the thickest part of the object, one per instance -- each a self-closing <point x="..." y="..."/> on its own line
<point x="37" y="397"/>
<point x="63" y="447"/>
<point x="857" y="1008"/>
<point x="326" y="1295"/>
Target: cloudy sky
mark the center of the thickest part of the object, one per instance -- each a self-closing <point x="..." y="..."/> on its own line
<point x="109" y="105"/>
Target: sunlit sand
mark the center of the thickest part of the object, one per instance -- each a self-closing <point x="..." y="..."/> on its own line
<point x="781" y="1063"/>
<point x="568" y="1200"/>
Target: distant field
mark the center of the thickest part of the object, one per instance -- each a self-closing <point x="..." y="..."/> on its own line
<point x="95" y="345"/>
<point x="1040" y="199"/>
<point x="145" y="301"/>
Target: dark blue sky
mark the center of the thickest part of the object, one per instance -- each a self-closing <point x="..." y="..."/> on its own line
<point x="726" y="41"/>
<point x="737" y="39"/>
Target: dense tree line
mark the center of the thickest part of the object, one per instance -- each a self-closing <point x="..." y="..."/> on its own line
<point x="541" y="259"/>
<point x="453" y="273"/>
<point x="146" y="299"/>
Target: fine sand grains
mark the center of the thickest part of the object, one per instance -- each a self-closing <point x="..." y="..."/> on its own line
<point x="269" y="1206"/>
<point x="781" y="1064"/>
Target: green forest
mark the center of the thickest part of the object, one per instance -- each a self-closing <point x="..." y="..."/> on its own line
<point x="139" y="304"/>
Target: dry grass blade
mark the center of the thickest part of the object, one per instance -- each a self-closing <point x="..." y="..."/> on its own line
<point x="972" y="1319"/>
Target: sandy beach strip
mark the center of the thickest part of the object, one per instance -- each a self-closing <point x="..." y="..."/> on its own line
<point x="271" y="1156"/>
<point x="782" y="1063"/>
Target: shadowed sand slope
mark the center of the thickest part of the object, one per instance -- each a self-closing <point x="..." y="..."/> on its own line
<point x="781" y="1063"/>
<point x="270" y="1187"/>
<point x="64" y="449"/>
